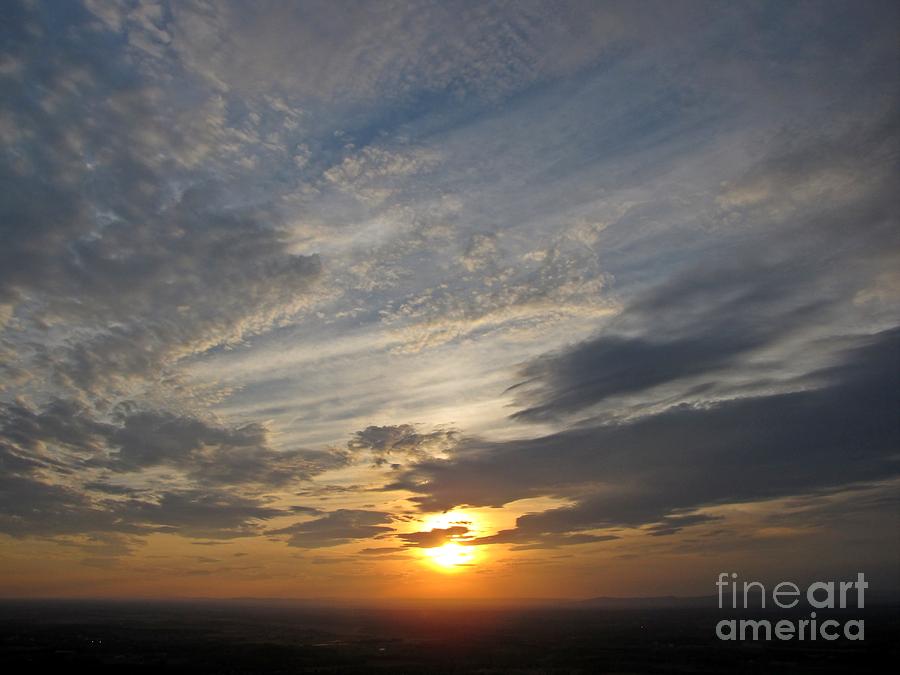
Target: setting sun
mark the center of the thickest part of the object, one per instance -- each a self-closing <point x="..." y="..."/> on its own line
<point x="445" y="545"/>
<point x="451" y="556"/>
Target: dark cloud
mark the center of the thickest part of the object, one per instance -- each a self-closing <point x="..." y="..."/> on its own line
<point x="400" y="442"/>
<point x="814" y="238"/>
<point x="435" y="537"/>
<point x="33" y="507"/>
<point x="839" y="430"/>
<point x="206" y="514"/>
<point x="674" y="524"/>
<point x="382" y="550"/>
<point x="62" y="423"/>
<point x="135" y="440"/>
<point x="699" y="322"/>
<point x="338" y="527"/>
<point x="211" y="455"/>
<point x="524" y="540"/>
<point x="49" y="455"/>
<point x="111" y="488"/>
<point x="812" y="167"/>
<point x="297" y="508"/>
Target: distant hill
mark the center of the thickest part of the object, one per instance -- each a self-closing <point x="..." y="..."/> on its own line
<point x="641" y="603"/>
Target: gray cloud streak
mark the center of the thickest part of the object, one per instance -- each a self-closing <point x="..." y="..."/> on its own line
<point x="840" y="430"/>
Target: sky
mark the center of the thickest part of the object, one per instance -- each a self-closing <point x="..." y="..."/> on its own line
<point x="447" y="299"/>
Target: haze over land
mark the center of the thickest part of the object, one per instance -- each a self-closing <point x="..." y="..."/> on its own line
<point x="469" y="300"/>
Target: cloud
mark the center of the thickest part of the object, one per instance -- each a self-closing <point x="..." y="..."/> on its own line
<point x="704" y="320"/>
<point x="525" y="540"/>
<point x="63" y="423"/>
<point x="837" y="430"/>
<point x="673" y="524"/>
<point x="358" y="53"/>
<point x="382" y="550"/>
<point x="335" y="528"/>
<point x="207" y="514"/>
<point x="402" y="441"/>
<point x="103" y="547"/>
<point x="211" y="455"/>
<point x="435" y="537"/>
<point x="560" y="281"/>
<point x="135" y="440"/>
<point x="32" y="507"/>
<point x="371" y="174"/>
<point x="115" y="283"/>
<point x="58" y="459"/>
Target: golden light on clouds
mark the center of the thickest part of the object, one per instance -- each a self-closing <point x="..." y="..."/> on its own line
<point x="455" y="518"/>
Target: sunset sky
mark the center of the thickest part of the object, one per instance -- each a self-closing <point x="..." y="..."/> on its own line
<point x="446" y="299"/>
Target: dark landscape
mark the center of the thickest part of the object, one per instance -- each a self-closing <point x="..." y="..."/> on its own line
<point x="259" y="637"/>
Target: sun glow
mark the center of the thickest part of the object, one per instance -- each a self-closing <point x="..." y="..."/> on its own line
<point x="451" y="519"/>
<point x="451" y="556"/>
<point x="454" y="554"/>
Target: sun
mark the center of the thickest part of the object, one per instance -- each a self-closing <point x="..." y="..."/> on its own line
<point x="455" y="554"/>
<point x="451" y="556"/>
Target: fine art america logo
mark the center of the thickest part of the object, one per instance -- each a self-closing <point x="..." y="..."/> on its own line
<point x="820" y="595"/>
